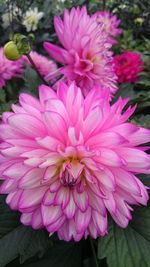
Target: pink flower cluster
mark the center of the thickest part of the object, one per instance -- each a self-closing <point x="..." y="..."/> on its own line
<point x="109" y="24"/>
<point x="45" y="66"/>
<point x="128" y="66"/>
<point x="66" y="160"/>
<point x="85" y="51"/>
<point x="9" y="69"/>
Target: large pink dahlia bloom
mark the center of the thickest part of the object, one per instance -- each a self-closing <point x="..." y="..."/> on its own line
<point x="86" y="52"/>
<point x="45" y="66"/>
<point x="128" y="66"/>
<point x="109" y="24"/>
<point x="8" y="68"/>
<point x="66" y="161"/>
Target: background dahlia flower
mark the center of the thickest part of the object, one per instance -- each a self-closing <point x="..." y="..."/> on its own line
<point x="66" y="161"/>
<point x="128" y="66"/>
<point x="46" y="67"/>
<point x="8" y="68"/>
<point x="86" y="54"/>
<point x="109" y="24"/>
<point x="31" y="19"/>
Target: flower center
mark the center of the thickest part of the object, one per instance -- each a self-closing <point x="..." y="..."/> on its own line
<point x="67" y="179"/>
<point x="70" y="173"/>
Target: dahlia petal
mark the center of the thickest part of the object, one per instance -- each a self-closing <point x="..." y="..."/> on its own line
<point x="30" y="100"/>
<point x="100" y="222"/>
<point x="35" y="153"/>
<point x="26" y="218"/>
<point x="37" y="219"/>
<point x="57" y="106"/>
<point x="13" y="199"/>
<point x="55" y="123"/>
<point x="106" y="178"/>
<point x="62" y="197"/>
<point x="122" y="207"/>
<point x="55" y="226"/>
<point x="14" y="151"/>
<point x="31" y="197"/>
<point x="92" y="121"/>
<point x="144" y="194"/>
<point x="126" y="181"/>
<point x="107" y="139"/>
<point x="31" y="110"/>
<point x="50" y="214"/>
<point x="70" y="209"/>
<point x="49" y="142"/>
<point x="34" y="162"/>
<point x="120" y="219"/>
<point x="45" y="93"/>
<point x="109" y="157"/>
<point x="140" y="136"/>
<point x="59" y="54"/>
<point x="82" y="220"/>
<point x="134" y="158"/>
<point x="8" y="186"/>
<point x="54" y="186"/>
<point x="31" y="179"/>
<point x="17" y="109"/>
<point x="68" y="231"/>
<point x="23" y="142"/>
<point x="75" y="169"/>
<point x="16" y="170"/>
<point x="50" y="172"/>
<point x="6" y="131"/>
<point x="81" y="200"/>
<point x="27" y="125"/>
<point x="48" y="198"/>
<point x="97" y="203"/>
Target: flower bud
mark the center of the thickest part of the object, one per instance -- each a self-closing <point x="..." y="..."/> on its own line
<point x="11" y="51"/>
<point x="139" y="21"/>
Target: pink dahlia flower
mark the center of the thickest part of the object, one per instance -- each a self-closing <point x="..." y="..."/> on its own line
<point x="66" y="161"/>
<point x="45" y="66"/>
<point x="128" y="66"/>
<point x="8" y="69"/>
<point x="85" y="54"/>
<point x="109" y="24"/>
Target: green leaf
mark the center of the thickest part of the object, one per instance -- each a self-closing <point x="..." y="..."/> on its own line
<point x="62" y="254"/>
<point x="8" y="218"/>
<point x="128" y="247"/>
<point x="17" y="240"/>
<point x="23" y="242"/>
<point x="2" y="96"/>
<point x="32" y="80"/>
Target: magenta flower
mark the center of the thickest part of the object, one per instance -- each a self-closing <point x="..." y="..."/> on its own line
<point x="86" y="56"/>
<point x="46" y="67"/>
<point x="8" y="69"/>
<point x="128" y="66"/>
<point x="66" y="161"/>
<point x="109" y="24"/>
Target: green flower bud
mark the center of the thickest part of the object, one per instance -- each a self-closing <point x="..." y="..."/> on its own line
<point x="139" y="21"/>
<point x="11" y="51"/>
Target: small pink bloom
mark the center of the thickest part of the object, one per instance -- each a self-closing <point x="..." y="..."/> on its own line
<point x="128" y="66"/>
<point x="45" y="66"/>
<point x="67" y="160"/>
<point x="109" y="24"/>
<point x="8" y="69"/>
<point x="85" y="52"/>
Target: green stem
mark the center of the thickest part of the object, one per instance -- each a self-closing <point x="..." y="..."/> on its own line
<point x="35" y="68"/>
<point x="94" y="253"/>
